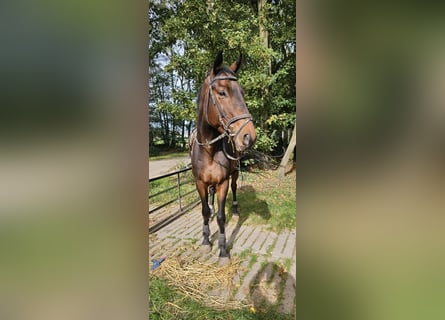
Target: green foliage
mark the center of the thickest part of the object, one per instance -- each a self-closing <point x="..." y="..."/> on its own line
<point x="265" y="142"/>
<point x="184" y="39"/>
<point x="154" y="150"/>
<point x="281" y="120"/>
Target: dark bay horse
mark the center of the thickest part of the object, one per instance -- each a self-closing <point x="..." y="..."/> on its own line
<point x="224" y="129"/>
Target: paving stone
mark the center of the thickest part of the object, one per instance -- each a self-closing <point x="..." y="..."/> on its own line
<point x="279" y="244"/>
<point x="267" y="286"/>
<point x="289" y="247"/>
<point x="234" y="233"/>
<point x="287" y="303"/>
<point x="189" y="226"/>
<point x="252" y="238"/>
<point x="242" y="237"/>
<point x="244" y="290"/>
<point x="259" y="241"/>
<point x="266" y="274"/>
<point x="168" y="229"/>
<point x="192" y="229"/>
<point x="196" y="232"/>
<point x="230" y="227"/>
<point x="268" y="242"/>
<point x="161" y="250"/>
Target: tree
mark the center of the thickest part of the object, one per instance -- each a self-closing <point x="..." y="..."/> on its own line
<point x="287" y="154"/>
<point x="186" y="35"/>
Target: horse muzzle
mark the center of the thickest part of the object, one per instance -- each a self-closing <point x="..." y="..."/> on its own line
<point x="245" y="140"/>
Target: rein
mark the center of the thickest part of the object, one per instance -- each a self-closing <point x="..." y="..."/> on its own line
<point x="222" y="116"/>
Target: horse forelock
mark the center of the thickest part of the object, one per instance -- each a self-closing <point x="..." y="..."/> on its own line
<point x="225" y="70"/>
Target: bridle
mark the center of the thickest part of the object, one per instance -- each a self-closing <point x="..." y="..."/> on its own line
<point x="223" y="119"/>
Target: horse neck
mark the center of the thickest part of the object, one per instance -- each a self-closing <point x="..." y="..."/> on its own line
<point x="205" y="132"/>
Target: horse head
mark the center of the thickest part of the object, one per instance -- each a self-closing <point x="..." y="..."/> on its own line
<point x="226" y="110"/>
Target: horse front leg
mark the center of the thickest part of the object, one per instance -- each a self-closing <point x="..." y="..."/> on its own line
<point x="221" y="190"/>
<point x="206" y="246"/>
<point x="212" y="199"/>
<point x="233" y="185"/>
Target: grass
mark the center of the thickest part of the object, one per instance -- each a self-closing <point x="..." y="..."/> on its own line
<point x="245" y="253"/>
<point x="170" y="183"/>
<point x="169" y="155"/>
<point x="270" y="248"/>
<point x="287" y="263"/>
<point x="166" y="303"/>
<point x="263" y="198"/>
<point x="253" y="260"/>
<point x="266" y="200"/>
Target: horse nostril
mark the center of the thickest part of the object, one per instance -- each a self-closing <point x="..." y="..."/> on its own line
<point x="246" y="139"/>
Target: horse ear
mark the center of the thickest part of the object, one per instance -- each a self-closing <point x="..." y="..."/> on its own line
<point x="217" y="64"/>
<point x="237" y="64"/>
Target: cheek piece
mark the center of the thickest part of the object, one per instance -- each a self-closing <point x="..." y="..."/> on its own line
<point x="223" y="119"/>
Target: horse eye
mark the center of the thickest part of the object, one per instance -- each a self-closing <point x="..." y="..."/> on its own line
<point x="222" y="93"/>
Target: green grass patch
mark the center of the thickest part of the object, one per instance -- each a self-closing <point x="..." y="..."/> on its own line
<point x="263" y="198"/>
<point x="266" y="200"/>
<point x="191" y="240"/>
<point x="169" y="155"/>
<point x="169" y="185"/>
<point x="166" y="303"/>
<point x="287" y="263"/>
<point x="253" y="260"/>
<point x="245" y="253"/>
<point x="270" y="248"/>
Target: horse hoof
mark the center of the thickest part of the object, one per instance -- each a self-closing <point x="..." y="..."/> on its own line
<point x="223" y="261"/>
<point x="206" y="248"/>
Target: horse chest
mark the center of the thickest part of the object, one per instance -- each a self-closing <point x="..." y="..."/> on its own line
<point x="214" y="171"/>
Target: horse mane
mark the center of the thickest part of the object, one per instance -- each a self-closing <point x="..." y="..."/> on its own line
<point x="198" y="103"/>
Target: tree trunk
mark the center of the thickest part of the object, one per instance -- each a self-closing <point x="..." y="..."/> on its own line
<point x="287" y="154"/>
<point x="189" y="129"/>
<point x="264" y="35"/>
<point x="164" y="125"/>
<point x="173" y="133"/>
<point x="183" y="135"/>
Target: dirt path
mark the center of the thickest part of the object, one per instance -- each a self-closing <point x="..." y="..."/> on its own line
<point x="159" y="167"/>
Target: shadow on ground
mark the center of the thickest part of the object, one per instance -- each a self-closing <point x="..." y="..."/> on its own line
<point x="272" y="292"/>
<point x="248" y="205"/>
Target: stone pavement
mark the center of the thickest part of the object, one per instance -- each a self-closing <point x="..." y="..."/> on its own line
<point x="268" y="259"/>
